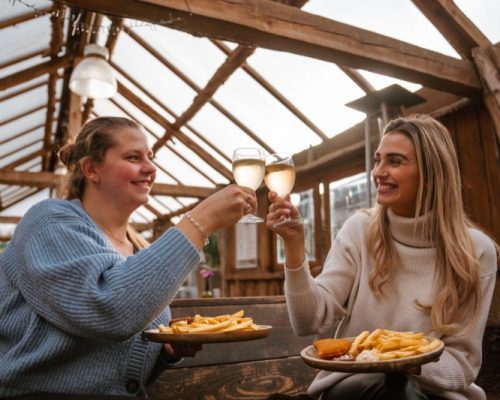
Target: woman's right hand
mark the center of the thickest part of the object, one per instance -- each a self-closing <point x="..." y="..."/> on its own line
<point x="225" y="207"/>
<point x="293" y="235"/>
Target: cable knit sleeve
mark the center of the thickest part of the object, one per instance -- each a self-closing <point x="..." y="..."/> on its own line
<point x="321" y="302"/>
<point x="460" y="362"/>
<point x="72" y="277"/>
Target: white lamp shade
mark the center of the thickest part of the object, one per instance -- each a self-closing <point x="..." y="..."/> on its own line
<point x="93" y="78"/>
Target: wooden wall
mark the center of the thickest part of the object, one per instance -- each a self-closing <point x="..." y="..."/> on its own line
<point x="473" y="133"/>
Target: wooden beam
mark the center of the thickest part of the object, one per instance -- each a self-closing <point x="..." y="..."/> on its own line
<point x="4" y="219"/>
<point x="22" y="133"/>
<point x="23" y="90"/>
<point x="454" y="25"/>
<point x="13" y="165"/>
<point x="156" y="116"/>
<point x="51" y="180"/>
<point x="488" y="65"/>
<point x="235" y="59"/>
<point x="22" y="115"/>
<point x="164" y="189"/>
<point x="35" y="71"/>
<point x="24" y="57"/>
<point x="167" y="109"/>
<point x="56" y="43"/>
<point x="275" y="93"/>
<point x="20" y="197"/>
<point x="191" y="84"/>
<point x="358" y="79"/>
<point x="268" y="24"/>
<point x="35" y="179"/>
<point x="25" y="17"/>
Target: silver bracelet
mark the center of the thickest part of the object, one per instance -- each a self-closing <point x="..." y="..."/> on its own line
<point x="197" y="225"/>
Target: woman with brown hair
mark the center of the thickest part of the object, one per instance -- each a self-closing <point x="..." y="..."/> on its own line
<point x="412" y="263"/>
<point x="78" y="288"/>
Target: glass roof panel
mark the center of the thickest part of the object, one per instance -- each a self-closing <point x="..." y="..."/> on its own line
<point x="23" y="103"/>
<point x="220" y="131"/>
<point x="14" y="8"/>
<point x="485" y="14"/>
<point x="152" y="75"/>
<point x="317" y="88"/>
<point x="22" y="141"/>
<point x="21" y="125"/>
<point x="21" y="153"/>
<point x="198" y="65"/>
<point x="387" y="17"/>
<point x="25" y="38"/>
<point x="263" y="115"/>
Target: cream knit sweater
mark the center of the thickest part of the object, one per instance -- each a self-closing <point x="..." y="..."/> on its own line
<point x="316" y="305"/>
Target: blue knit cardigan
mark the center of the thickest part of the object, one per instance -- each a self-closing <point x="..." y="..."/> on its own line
<point x="72" y="308"/>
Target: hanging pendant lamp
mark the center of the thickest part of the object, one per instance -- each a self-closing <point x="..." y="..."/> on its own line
<point x="93" y="77"/>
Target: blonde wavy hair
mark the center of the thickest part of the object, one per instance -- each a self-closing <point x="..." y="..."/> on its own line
<point x="439" y="198"/>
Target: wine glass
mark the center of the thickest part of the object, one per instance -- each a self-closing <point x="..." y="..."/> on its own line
<point x="249" y="166"/>
<point x="280" y="178"/>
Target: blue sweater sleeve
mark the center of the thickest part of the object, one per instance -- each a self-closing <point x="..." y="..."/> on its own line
<point x="72" y="277"/>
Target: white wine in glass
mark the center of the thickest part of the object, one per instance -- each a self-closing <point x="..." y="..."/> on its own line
<point x="280" y="178"/>
<point x="249" y="167"/>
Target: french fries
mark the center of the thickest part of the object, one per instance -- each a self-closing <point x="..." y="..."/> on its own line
<point x="221" y="323"/>
<point x="388" y="345"/>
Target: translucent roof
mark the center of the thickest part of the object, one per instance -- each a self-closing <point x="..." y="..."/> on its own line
<point x="277" y="100"/>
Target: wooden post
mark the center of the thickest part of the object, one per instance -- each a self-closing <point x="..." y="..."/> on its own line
<point x="488" y="66"/>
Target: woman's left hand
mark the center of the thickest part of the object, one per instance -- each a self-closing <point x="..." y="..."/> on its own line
<point x="179" y="350"/>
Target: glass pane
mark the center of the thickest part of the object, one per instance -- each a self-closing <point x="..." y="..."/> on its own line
<point x="346" y="197"/>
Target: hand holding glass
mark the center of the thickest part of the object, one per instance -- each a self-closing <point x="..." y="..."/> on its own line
<point x="280" y="178"/>
<point x="249" y="167"/>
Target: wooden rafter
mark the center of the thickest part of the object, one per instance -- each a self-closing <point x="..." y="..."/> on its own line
<point x="56" y="44"/>
<point x="72" y="47"/>
<point x="156" y="116"/>
<point x="454" y="25"/>
<point x="35" y="71"/>
<point x="14" y="151"/>
<point x="25" y="17"/>
<point x="358" y="79"/>
<point x="22" y="115"/>
<point x="169" y="146"/>
<point x="22" y="133"/>
<point x="23" y="160"/>
<point x="23" y="90"/>
<point x="168" y="110"/>
<point x="52" y="180"/>
<point x="275" y="93"/>
<point x="24" y="57"/>
<point x="267" y="24"/>
<point x="192" y="85"/>
<point x="20" y="197"/>
<point x="235" y="59"/>
<point x="4" y="219"/>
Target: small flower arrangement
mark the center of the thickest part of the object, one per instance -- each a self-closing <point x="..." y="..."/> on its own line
<point x="206" y="273"/>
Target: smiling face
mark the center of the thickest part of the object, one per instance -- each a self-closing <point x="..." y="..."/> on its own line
<point x="396" y="174"/>
<point x="127" y="173"/>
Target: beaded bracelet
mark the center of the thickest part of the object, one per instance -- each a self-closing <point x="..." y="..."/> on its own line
<point x="197" y="225"/>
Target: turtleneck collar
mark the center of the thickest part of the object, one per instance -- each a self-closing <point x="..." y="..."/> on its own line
<point x="405" y="232"/>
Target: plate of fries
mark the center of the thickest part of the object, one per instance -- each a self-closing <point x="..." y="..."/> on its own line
<point x="200" y="329"/>
<point x="381" y="350"/>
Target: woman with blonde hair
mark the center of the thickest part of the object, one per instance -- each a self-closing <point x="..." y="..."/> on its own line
<point x="412" y="263"/>
<point x="78" y="288"/>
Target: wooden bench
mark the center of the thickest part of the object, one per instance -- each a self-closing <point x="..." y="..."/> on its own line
<point x="269" y="368"/>
<point x="242" y="370"/>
